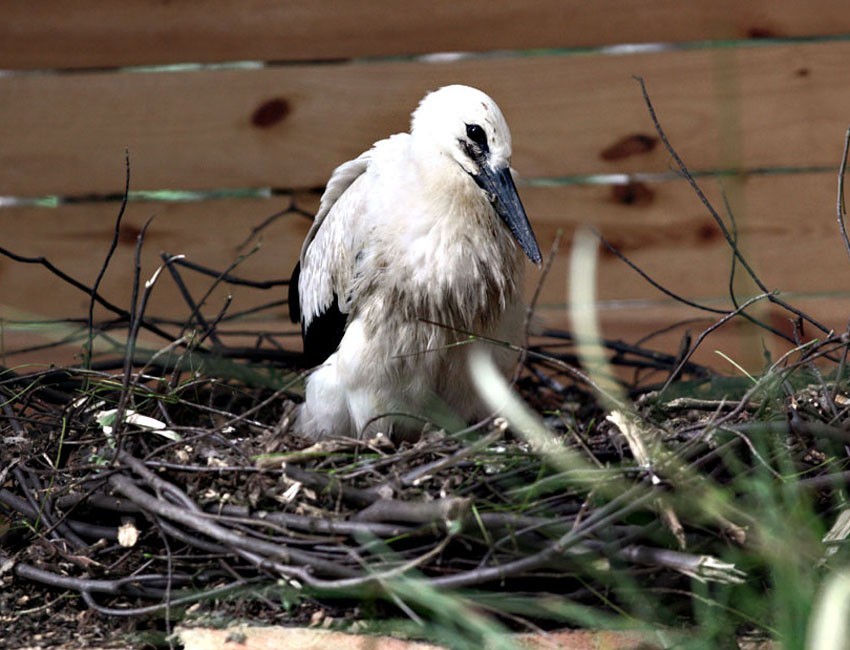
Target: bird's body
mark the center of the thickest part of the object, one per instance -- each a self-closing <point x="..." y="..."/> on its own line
<point x="414" y="248"/>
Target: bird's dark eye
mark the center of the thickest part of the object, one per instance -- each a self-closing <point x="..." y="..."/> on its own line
<point x="477" y="135"/>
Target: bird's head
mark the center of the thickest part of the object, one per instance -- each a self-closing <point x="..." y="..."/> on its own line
<point x="465" y="127"/>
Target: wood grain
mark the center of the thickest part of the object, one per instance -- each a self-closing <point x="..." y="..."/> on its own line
<point x="786" y="228"/>
<point x="94" y="34"/>
<point x="785" y="223"/>
<point x="778" y="106"/>
<point x="215" y="234"/>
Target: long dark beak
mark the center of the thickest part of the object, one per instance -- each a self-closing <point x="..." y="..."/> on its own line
<point x="499" y="185"/>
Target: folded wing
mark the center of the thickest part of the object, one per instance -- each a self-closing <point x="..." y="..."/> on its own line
<point x="320" y="289"/>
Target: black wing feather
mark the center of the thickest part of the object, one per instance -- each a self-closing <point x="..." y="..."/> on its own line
<point x="322" y="337"/>
<point x="294" y="298"/>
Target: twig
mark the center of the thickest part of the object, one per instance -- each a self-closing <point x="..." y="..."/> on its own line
<point x="654" y="283"/>
<point x="246" y="547"/>
<point x="700" y="567"/>
<point x="265" y="223"/>
<point x="137" y="312"/>
<point x="705" y="333"/>
<point x="438" y="511"/>
<point x="713" y="212"/>
<point x="227" y="277"/>
<point x="317" y="525"/>
<point x="103" y="302"/>
<point x="414" y="476"/>
<point x="618" y="507"/>
<point x="532" y="305"/>
<point x="116" y="232"/>
<point x="653" y="358"/>
<point x="842" y="227"/>
<point x="195" y="597"/>
<point x="195" y="311"/>
<point x="39" y="514"/>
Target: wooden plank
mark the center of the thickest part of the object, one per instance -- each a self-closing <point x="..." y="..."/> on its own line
<point x="76" y="239"/>
<point x="786" y="227"/>
<point x="89" y="33"/>
<point x="287" y="127"/>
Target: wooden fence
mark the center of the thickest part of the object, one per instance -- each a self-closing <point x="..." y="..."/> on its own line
<point x="241" y="107"/>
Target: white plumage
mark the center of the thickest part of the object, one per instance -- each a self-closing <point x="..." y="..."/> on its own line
<point x="418" y="242"/>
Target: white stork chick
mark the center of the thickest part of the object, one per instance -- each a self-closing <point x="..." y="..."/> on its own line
<point x="418" y="243"/>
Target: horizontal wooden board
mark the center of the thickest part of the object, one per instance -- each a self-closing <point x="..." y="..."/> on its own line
<point x="786" y="225"/>
<point x="214" y="234"/>
<point x="89" y="33"/>
<point x="672" y="328"/>
<point x="290" y="126"/>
